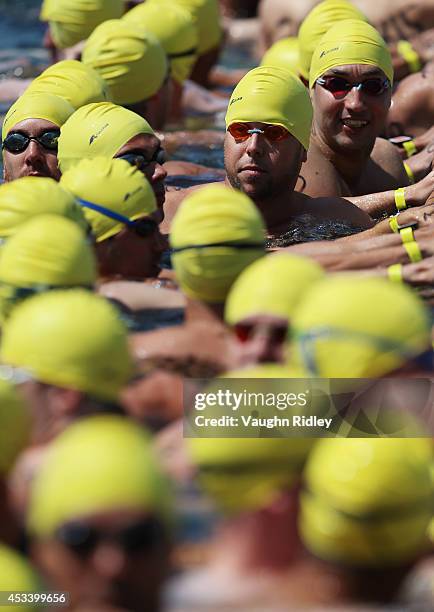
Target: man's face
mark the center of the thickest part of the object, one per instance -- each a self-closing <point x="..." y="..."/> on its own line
<point x="149" y="147"/>
<point x="351" y="120"/>
<point x="260" y="167"/>
<point x="35" y="159"/>
<point x="112" y="560"/>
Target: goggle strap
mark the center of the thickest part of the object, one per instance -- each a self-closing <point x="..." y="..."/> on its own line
<point x="111" y="214"/>
<point x="186" y="53"/>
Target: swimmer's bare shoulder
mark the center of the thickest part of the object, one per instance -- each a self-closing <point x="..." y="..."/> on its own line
<point x="332" y="208"/>
<point x="319" y="178"/>
<point x="384" y="171"/>
<point x="139" y="296"/>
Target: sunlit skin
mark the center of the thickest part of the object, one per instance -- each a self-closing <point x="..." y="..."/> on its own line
<point x="334" y="117"/>
<point x="129" y="255"/>
<point x="263" y="341"/>
<point x="108" y="577"/>
<point x="148" y="145"/>
<point x="260" y="168"/>
<point x="35" y="160"/>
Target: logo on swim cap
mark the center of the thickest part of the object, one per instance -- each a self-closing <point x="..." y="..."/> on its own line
<point x="236" y="100"/>
<point x="95" y="136"/>
<point x="328" y="51"/>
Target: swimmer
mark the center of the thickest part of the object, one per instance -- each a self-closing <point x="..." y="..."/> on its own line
<point x="387" y="492"/>
<point x="122" y="53"/>
<point x="349" y="327"/>
<point x="268" y="130"/>
<point x="105" y="129"/>
<point x="100" y="517"/>
<point x="30" y="197"/>
<point x="30" y="133"/>
<point x="75" y="347"/>
<point x="253" y="484"/>
<point x="217" y="233"/>
<point x="71" y="22"/>
<point x="47" y="252"/>
<point x="261" y="302"/>
<point x="344" y="146"/>
<point x="120" y="206"/>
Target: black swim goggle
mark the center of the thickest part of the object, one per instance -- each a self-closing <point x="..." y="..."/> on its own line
<point x="15" y="142"/>
<point x="142" y="227"/>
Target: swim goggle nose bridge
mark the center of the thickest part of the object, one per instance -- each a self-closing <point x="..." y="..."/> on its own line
<point x="242" y="131"/>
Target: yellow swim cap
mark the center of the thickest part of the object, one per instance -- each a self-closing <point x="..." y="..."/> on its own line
<point x="245" y="474"/>
<point x="31" y="196"/>
<point x="220" y="216"/>
<point x="350" y="42"/>
<point x="15" y="423"/>
<point x="99" y="464"/>
<point x="37" y="106"/>
<point x="47" y="251"/>
<point x="367" y="502"/>
<point x="113" y="184"/>
<point x="72" y="339"/>
<point x="177" y="34"/>
<point x="16" y="574"/>
<point x="74" y="20"/>
<point x="98" y="130"/>
<point x="353" y="327"/>
<point x="77" y="83"/>
<point x="273" y="285"/>
<point x="207" y="16"/>
<point x="284" y="54"/>
<point x="130" y="60"/>
<point x="320" y="19"/>
<point x="270" y="94"/>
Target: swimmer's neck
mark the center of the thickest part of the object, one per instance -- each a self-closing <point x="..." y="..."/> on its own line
<point x="197" y="311"/>
<point x="263" y="539"/>
<point x="351" y="166"/>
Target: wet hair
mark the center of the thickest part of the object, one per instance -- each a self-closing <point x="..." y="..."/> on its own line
<point x="307" y="228"/>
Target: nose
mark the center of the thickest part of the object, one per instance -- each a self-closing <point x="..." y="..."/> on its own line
<point x="255" y="145"/>
<point x="354" y="100"/>
<point x="159" y="174"/>
<point x="33" y="153"/>
<point x="109" y="561"/>
<point x="262" y="349"/>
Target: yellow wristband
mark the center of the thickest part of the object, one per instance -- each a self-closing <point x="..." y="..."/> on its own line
<point x="409" y="173"/>
<point x="409" y="147"/>
<point x="406" y="235"/>
<point x="412" y="59"/>
<point x="393" y="222"/>
<point x="394" y="273"/>
<point x="400" y="202"/>
<point x="413" y="251"/>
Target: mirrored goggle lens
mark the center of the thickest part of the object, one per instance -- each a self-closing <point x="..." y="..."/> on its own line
<point x="340" y="87"/>
<point x="242" y="131"/>
<point x="49" y="140"/>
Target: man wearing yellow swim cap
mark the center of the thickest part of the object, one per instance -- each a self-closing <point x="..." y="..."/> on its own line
<point x="100" y="517"/>
<point x="135" y="67"/>
<point x="350" y="79"/>
<point x="69" y="350"/>
<point x="107" y="130"/>
<point x="268" y="125"/>
<point x="30" y="132"/>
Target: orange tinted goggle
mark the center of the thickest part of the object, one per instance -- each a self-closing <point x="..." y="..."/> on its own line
<point x="243" y="131"/>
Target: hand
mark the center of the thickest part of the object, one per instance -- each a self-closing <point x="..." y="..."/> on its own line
<point x="418" y="194"/>
<point x="422" y="215"/>
<point x="421" y="163"/>
<point x="420" y="274"/>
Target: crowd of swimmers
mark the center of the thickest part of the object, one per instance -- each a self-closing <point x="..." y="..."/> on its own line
<point x="310" y="257"/>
